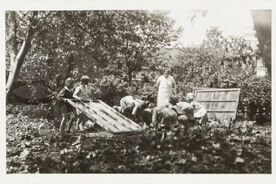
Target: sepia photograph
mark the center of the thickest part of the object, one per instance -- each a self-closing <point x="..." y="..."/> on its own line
<point x="147" y="91"/>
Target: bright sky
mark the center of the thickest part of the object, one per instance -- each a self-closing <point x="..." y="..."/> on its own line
<point x="231" y="22"/>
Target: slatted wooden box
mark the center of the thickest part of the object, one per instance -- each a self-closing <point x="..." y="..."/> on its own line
<point x="221" y="104"/>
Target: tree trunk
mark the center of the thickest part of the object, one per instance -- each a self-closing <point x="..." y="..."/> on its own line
<point x="61" y="77"/>
<point x="129" y="73"/>
<point x="16" y="62"/>
<point x="11" y="37"/>
<point x="70" y="65"/>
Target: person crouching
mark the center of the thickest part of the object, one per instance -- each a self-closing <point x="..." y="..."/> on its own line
<point x="166" y="114"/>
<point x="133" y="107"/>
<point x="200" y="113"/>
<point x="185" y="114"/>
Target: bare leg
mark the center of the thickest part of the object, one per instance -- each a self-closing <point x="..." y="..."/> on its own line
<point x="163" y="131"/>
<point x="154" y="116"/>
<point x="82" y="119"/>
<point x="77" y="123"/>
<point x="62" y="126"/>
<point x="70" y="122"/>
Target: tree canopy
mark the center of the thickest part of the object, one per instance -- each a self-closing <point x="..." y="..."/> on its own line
<point x="72" y="43"/>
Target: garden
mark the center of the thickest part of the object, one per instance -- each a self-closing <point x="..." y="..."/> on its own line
<point x="111" y="47"/>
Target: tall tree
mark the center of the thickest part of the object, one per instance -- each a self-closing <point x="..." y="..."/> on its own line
<point x="73" y="43"/>
<point x="17" y="58"/>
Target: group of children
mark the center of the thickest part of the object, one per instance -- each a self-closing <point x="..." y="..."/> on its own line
<point x="137" y="109"/>
<point x="80" y="93"/>
<point x="175" y="111"/>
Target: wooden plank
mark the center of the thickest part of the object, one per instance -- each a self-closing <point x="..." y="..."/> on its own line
<point x="109" y="118"/>
<point x="230" y="106"/>
<point x="218" y="89"/>
<point x="104" y="120"/>
<point x="220" y="111"/>
<point x="238" y="97"/>
<point x="127" y="123"/>
<point x="134" y="125"/>
<point x="125" y="126"/>
<point x="216" y="100"/>
<point x="92" y="114"/>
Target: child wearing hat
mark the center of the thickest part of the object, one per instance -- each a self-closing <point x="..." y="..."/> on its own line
<point x="200" y="113"/>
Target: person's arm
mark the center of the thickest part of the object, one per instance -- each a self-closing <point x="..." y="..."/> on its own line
<point x="157" y="83"/>
<point x="154" y="116"/>
<point x="137" y="105"/>
<point x="61" y="94"/>
<point x="126" y="103"/>
<point x="76" y="92"/>
<point x="134" y="111"/>
<point x="174" y="85"/>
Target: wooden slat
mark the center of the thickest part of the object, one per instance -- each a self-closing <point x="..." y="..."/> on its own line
<point x="220" y="111"/>
<point x="109" y="118"/>
<point x="230" y="106"/>
<point x="105" y="121"/>
<point x="134" y="125"/>
<point x="125" y="126"/>
<point x="216" y="100"/>
<point x="127" y="123"/>
<point x="101" y="121"/>
<point x="92" y="115"/>
<point x="218" y="89"/>
<point x="237" y="103"/>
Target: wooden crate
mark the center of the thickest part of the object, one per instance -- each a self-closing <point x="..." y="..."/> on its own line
<point x="221" y="104"/>
<point x="106" y="117"/>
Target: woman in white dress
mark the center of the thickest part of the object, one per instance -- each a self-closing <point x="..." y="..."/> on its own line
<point x="166" y="87"/>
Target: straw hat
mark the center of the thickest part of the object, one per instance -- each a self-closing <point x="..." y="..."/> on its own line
<point x="85" y="78"/>
<point x="199" y="110"/>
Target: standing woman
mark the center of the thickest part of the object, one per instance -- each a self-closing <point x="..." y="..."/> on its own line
<point x="166" y="87"/>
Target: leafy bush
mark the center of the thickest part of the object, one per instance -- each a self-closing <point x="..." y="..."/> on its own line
<point x="255" y="99"/>
<point x="255" y="96"/>
<point x="109" y="89"/>
<point x="224" y="62"/>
